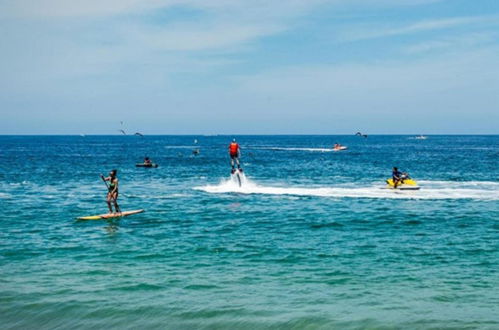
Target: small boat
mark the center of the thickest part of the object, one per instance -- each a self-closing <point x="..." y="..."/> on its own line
<point x="421" y="137"/>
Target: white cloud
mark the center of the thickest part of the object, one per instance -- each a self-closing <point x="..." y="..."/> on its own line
<point x="460" y="42"/>
<point x="96" y="8"/>
<point x="452" y="88"/>
<point x="68" y="8"/>
<point x="376" y="31"/>
<point x="120" y="54"/>
<point x="197" y="36"/>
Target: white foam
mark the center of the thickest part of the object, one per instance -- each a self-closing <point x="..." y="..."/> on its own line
<point x="374" y="190"/>
<point x="5" y="195"/>
<point x="299" y="149"/>
<point x="181" y="147"/>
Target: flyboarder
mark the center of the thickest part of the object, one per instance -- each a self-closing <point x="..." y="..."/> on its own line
<point x="235" y="153"/>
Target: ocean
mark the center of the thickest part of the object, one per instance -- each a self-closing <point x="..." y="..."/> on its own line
<point x="311" y="240"/>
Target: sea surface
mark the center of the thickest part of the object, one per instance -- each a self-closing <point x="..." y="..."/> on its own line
<point x="310" y="241"/>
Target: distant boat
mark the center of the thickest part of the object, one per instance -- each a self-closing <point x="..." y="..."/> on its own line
<point x="421" y="137"/>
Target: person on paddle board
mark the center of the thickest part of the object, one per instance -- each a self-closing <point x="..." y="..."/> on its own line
<point x="112" y="193"/>
<point x="147" y="161"/>
<point x="234" y="153"/>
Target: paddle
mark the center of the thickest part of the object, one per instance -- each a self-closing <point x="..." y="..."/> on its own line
<point x="105" y="182"/>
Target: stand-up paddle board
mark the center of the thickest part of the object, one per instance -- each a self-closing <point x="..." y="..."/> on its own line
<point x="110" y="215"/>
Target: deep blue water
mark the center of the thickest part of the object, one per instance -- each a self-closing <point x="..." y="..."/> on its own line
<point x="310" y="241"/>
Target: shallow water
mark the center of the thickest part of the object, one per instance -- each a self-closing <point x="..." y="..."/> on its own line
<point x="311" y="240"/>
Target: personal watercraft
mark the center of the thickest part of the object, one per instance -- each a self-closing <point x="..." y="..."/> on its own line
<point x="405" y="184"/>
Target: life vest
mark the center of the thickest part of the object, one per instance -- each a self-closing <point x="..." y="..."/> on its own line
<point x="233" y="148"/>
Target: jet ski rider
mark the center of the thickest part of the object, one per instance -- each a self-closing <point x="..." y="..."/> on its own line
<point x="398" y="177"/>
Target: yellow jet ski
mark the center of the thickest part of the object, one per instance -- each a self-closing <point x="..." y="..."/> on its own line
<point x="407" y="184"/>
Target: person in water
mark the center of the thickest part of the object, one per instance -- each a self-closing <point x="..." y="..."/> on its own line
<point x="234" y="153"/>
<point x="398" y="177"/>
<point x="112" y="193"/>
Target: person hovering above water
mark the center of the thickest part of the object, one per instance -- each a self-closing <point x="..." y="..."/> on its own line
<point x="398" y="177"/>
<point x="112" y="193"/>
<point x="234" y="153"/>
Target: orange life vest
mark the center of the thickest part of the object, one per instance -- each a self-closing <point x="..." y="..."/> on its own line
<point x="233" y="148"/>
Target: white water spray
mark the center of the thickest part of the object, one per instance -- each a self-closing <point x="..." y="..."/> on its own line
<point x="484" y="190"/>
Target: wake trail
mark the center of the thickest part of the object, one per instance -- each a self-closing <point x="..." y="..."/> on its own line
<point x="298" y="149"/>
<point x="429" y="190"/>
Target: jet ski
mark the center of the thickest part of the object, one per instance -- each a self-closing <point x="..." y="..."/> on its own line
<point x="406" y="184"/>
<point x="339" y="147"/>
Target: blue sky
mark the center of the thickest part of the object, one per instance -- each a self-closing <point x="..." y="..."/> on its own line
<point x="249" y="67"/>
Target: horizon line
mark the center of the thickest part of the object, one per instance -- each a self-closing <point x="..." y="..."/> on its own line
<point x="235" y="134"/>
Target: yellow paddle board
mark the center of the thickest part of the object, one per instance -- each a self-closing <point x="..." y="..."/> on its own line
<point x="110" y="215"/>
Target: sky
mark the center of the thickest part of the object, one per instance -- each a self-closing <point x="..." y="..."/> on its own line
<point x="249" y="67"/>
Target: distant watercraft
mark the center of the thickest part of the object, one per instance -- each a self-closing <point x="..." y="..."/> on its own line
<point x="421" y="137"/>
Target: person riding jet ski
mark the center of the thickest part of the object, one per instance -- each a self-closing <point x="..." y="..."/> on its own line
<point x="401" y="180"/>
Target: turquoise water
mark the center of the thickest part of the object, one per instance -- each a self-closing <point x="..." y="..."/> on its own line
<point x="309" y="241"/>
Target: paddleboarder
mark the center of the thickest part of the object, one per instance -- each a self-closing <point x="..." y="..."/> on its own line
<point x="112" y="191"/>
